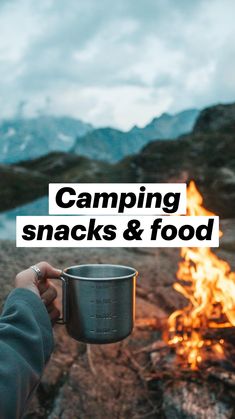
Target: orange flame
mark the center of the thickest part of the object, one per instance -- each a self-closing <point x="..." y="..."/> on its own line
<point x="209" y="285"/>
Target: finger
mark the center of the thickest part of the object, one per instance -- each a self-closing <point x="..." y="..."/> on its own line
<point x="54" y="315"/>
<point x="49" y="295"/>
<point x="43" y="286"/>
<point x="51" y="307"/>
<point x="48" y="271"/>
<point x="28" y="276"/>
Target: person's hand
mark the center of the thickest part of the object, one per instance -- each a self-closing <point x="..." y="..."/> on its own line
<point x="42" y="286"/>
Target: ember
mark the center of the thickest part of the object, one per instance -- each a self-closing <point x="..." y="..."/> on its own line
<point x="209" y="285"/>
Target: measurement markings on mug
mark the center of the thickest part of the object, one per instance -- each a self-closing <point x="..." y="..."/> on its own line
<point x="103" y="331"/>
<point x="108" y="316"/>
<point x="103" y="301"/>
<point x="102" y="286"/>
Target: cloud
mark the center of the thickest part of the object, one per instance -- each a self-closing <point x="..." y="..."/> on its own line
<point x="115" y="63"/>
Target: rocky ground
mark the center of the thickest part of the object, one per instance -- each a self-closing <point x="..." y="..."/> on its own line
<point x="91" y="381"/>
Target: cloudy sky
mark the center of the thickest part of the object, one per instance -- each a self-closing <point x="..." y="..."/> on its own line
<point x="115" y="63"/>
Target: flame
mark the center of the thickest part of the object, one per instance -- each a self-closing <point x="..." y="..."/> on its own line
<point x="209" y="285"/>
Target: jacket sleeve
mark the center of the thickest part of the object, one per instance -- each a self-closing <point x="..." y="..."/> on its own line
<point x="26" y="343"/>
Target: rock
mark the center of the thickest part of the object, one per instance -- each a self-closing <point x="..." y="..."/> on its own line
<point x="188" y="400"/>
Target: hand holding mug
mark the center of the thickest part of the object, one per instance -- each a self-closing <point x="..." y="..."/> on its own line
<point x="39" y="283"/>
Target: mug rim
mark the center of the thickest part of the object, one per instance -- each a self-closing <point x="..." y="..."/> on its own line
<point x="88" y="278"/>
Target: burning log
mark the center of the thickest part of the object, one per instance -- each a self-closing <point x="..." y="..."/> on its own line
<point x="226" y="333"/>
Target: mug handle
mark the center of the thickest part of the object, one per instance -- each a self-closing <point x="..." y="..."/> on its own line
<point x="63" y="318"/>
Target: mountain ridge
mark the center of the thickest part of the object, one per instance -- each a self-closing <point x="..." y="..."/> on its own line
<point x="22" y="139"/>
<point x="110" y="144"/>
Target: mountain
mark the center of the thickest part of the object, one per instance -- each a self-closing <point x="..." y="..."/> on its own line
<point x="109" y="144"/>
<point x="23" y="139"/>
<point x="169" y="126"/>
<point x="207" y="156"/>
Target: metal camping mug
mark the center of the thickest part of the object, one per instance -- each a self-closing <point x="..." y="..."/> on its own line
<point x="98" y="302"/>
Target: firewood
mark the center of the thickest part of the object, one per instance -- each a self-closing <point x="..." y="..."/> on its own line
<point x="153" y="323"/>
<point x="226" y="333"/>
<point x="153" y="347"/>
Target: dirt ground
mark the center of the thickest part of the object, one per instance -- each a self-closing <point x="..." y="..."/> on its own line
<point x="91" y="381"/>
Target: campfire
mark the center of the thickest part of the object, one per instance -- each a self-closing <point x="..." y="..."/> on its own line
<point x="196" y="331"/>
<point x="191" y="355"/>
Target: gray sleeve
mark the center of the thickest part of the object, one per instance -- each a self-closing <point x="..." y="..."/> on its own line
<point x="26" y="343"/>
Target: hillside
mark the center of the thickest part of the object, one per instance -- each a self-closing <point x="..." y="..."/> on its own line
<point x="216" y="118"/>
<point x="205" y="158"/>
<point x="29" y="180"/>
